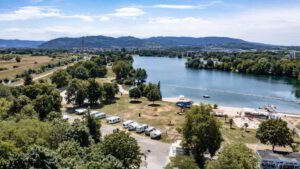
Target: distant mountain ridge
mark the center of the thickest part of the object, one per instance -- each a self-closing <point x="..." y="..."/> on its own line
<point x="15" y="43"/>
<point x="133" y="42"/>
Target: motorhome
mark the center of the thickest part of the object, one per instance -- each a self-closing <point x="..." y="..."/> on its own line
<point x="132" y="126"/>
<point x="113" y="119"/>
<point x="149" y="130"/>
<point x="126" y="123"/>
<point x="141" y="128"/>
<point x="100" y="115"/>
<point x="155" y="134"/>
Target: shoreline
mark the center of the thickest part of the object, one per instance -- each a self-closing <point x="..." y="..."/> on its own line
<point x="228" y="110"/>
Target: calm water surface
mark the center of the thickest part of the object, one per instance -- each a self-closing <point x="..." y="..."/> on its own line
<point x="224" y="88"/>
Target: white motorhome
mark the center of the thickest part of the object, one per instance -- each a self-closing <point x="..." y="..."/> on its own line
<point x="126" y="123"/>
<point x="156" y="134"/>
<point x="113" y="119"/>
<point x="149" y="130"/>
<point x="81" y="111"/>
<point x="100" y="115"/>
<point x="141" y="128"/>
<point x="133" y="126"/>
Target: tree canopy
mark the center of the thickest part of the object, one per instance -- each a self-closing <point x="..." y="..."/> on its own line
<point x="274" y="132"/>
<point x="201" y="132"/>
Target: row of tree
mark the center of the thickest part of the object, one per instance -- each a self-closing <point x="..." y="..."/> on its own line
<point x="261" y="63"/>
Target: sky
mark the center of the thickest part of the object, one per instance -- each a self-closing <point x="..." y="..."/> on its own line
<point x="265" y="21"/>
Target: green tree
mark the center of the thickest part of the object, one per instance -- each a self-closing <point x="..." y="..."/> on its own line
<point x="43" y="105"/>
<point x="274" y="132"/>
<point x="81" y="73"/>
<point x="41" y="158"/>
<point x="98" y="71"/>
<point x="61" y="78"/>
<point x="124" y="148"/>
<point x="153" y="95"/>
<point x="109" y="92"/>
<point x="121" y="69"/>
<point x="5" y="106"/>
<point x="182" y="162"/>
<point x="235" y="156"/>
<point x="94" y="127"/>
<point x="201" y="132"/>
<point x="94" y="91"/>
<point x="140" y="75"/>
<point x="135" y="93"/>
<point x="28" y="79"/>
<point x="79" y="133"/>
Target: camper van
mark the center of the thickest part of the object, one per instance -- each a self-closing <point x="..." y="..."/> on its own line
<point x="141" y="128"/>
<point x="100" y="115"/>
<point x="80" y="111"/>
<point x="113" y="119"/>
<point x="133" y="126"/>
<point x="149" y="130"/>
<point x="156" y="134"/>
<point x="126" y="124"/>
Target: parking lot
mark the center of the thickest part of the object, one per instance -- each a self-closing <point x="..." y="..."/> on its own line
<point x="157" y="158"/>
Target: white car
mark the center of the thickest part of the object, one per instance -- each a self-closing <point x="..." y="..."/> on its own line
<point x="100" y="115"/>
<point x="141" y="128"/>
<point x="81" y="111"/>
<point x="132" y="126"/>
<point x="92" y="113"/>
<point x="126" y="123"/>
<point x="149" y="130"/>
<point x="155" y="134"/>
<point x="113" y="119"/>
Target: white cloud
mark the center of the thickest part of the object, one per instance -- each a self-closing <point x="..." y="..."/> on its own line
<point x="39" y="12"/>
<point x="127" y="12"/>
<point x="30" y="12"/>
<point x="172" y="6"/>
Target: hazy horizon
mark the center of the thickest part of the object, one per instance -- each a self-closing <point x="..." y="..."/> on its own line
<point x="269" y="22"/>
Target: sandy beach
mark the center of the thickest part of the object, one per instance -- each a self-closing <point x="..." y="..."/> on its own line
<point x="228" y="110"/>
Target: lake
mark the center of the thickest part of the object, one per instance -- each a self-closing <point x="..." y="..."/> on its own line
<point x="224" y="88"/>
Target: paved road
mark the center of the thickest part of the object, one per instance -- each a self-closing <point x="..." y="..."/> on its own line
<point x="156" y="159"/>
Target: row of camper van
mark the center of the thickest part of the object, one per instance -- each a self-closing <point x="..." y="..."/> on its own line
<point x="140" y="128"/>
<point x="96" y="114"/>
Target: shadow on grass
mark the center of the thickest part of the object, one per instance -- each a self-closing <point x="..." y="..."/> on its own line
<point x="154" y="105"/>
<point x="135" y="101"/>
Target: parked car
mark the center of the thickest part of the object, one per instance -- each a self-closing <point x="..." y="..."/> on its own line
<point x="92" y="113"/>
<point x="149" y="130"/>
<point x="113" y="119"/>
<point x="132" y="126"/>
<point x="126" y="123"/>
<point x="155" y="134"/>
<point x="80" y="111"/>
<point x="100" y="115"/>
<point x="141" y="128"/>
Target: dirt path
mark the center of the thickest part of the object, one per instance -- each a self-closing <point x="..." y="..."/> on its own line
<point x="122" y="90"/>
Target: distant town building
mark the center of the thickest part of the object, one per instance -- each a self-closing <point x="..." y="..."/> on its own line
<point x="295" y="54"/>
<point x="278" y="160"/>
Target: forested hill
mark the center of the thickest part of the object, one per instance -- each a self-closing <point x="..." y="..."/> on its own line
<point x="19" y="43"/>
<point x="132" y="42"/>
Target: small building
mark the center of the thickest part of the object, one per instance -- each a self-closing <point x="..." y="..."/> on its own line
<point x="279" y="159"/>
<point x="295" y="54"/>
<point x="176" y="149"/>
<point x="254" y="113"/>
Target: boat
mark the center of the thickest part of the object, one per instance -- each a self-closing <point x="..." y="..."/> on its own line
<point x="206" y="96"/>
